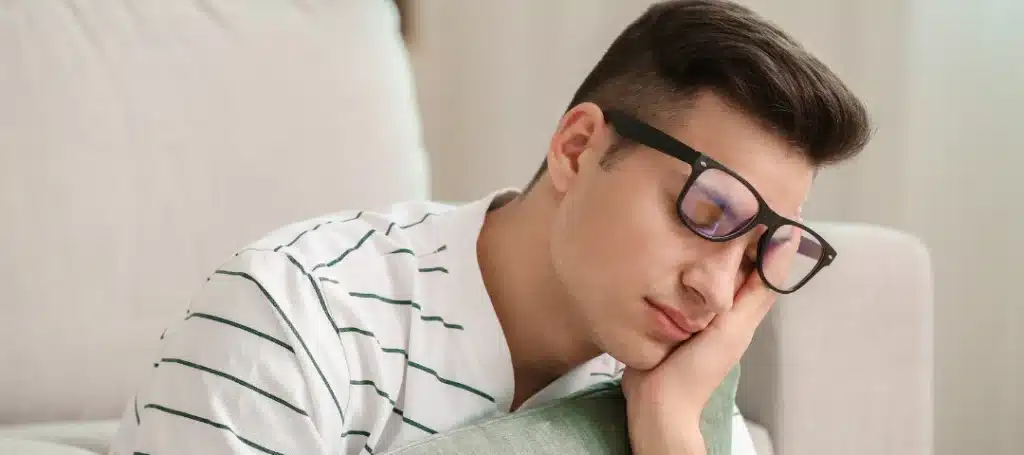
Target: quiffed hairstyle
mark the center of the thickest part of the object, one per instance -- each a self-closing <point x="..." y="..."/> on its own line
<point x="656" y="67"/>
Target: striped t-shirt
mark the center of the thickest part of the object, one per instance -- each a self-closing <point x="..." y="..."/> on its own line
<point x="353" y="333"/>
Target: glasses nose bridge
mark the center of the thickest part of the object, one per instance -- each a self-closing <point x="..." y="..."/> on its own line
<point x="763" y="225"/>
<point x="752" y="234"/>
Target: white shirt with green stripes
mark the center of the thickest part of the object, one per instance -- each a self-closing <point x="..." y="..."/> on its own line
<point x="352" y="333"/>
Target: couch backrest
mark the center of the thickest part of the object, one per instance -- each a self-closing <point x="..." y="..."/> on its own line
<point x="142" y="142"/>
<point x="844" y="366"/>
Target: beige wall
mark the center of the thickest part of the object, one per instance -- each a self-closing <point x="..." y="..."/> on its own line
<point x="966" y="194"/>
<point x="943" y="79"/>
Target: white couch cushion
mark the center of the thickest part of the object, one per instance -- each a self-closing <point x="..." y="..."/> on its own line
<point x="26" y="447"/>
<point x="142" y="142"/>
<point x="94" y="436"/>
<point x="844" y="366"/>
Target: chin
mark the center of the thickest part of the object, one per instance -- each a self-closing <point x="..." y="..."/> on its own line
<point x="657" y="353"/>
<point x="640" y="353"/>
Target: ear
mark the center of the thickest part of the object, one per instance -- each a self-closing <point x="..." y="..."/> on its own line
<point x="580" y="137"/>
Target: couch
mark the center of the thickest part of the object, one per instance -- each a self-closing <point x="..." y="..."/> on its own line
<point x="143" y="142"/>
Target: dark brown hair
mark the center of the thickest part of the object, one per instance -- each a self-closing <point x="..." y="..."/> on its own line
<point x="657" y="65"/>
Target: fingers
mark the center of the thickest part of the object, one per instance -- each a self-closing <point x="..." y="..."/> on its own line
<point x="779" y="254"/>
<point x="753" y="302"/>
<point x="755" y="299"/>
<point x="709" y="355"/>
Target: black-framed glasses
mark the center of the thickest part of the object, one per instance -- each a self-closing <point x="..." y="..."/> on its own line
<point x="719" y="205"/>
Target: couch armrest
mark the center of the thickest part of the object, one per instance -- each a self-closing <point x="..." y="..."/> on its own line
<point x="844" y="366"/>
<point x="91" y="436"/>
<point x="27" y="447"/>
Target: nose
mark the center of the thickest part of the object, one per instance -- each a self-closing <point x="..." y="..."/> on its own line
<point x="716" y="274"/>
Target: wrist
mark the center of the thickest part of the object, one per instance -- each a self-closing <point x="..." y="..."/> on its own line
<point x="664" y="410"/>
<point x="657" y="430"/>
<point x="677" y="441"/>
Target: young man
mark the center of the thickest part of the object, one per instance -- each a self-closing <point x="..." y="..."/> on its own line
<point x="653" y="241"/>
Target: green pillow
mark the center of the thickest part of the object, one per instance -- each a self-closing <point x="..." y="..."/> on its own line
<point x="592" y="421"/>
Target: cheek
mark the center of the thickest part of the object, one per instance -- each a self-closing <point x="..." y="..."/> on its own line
<point x="577" y="250"/>
<point x="613" y="243"/>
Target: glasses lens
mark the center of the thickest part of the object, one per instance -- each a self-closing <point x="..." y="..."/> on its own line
<point x="718" y="204"/>
<point x="790" y="255"/>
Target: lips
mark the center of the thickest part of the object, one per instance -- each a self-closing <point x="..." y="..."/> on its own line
<point x="676" y="316"/>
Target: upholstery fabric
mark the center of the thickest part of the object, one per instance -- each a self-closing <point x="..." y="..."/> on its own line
<point x="94" y="436"/>
<point x="844" y="366"/>
<point x="143" y="142"/>
<point x="27" y="447"/>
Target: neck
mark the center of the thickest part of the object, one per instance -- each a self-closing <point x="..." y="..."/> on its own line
<point x="534" y="310"/>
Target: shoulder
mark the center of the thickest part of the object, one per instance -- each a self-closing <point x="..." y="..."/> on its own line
<point x="324" y="232"/>
<point x="354" y="239"/>
<point x="327" y="261"/>
<point x="350" y="239"/>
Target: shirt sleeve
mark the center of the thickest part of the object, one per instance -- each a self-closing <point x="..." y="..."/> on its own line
<point x="254" y="366"/>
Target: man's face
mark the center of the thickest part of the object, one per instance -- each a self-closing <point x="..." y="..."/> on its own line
<point x="634" y="273"/>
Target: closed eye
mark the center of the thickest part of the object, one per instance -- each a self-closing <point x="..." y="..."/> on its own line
<point x="721" y="202"/>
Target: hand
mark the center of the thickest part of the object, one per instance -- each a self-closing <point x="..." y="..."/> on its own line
<point x="664" y="404"/>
